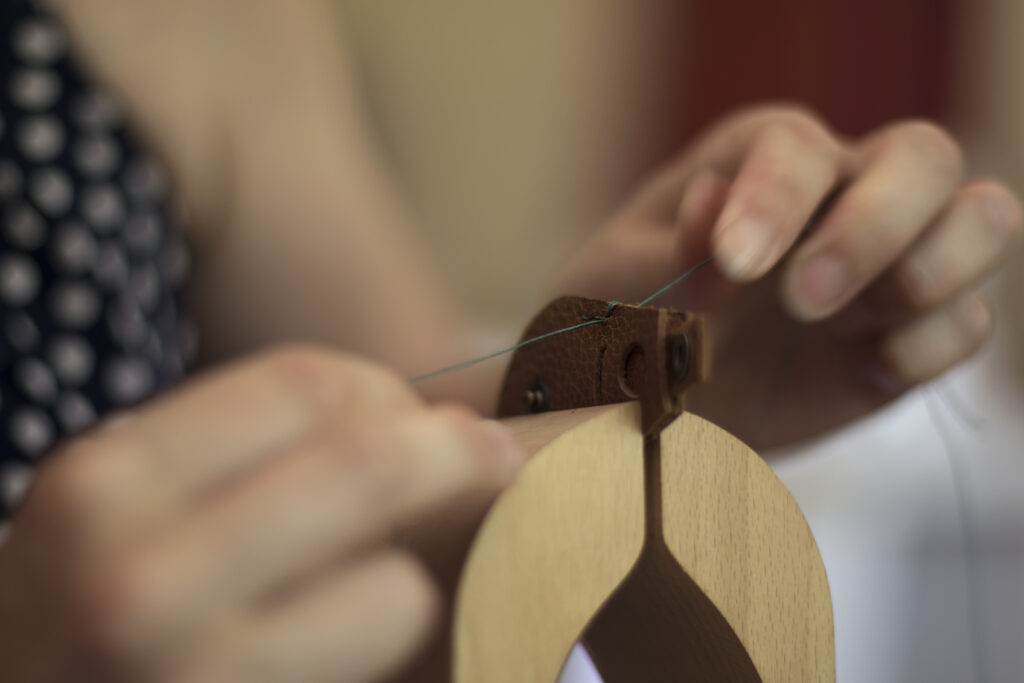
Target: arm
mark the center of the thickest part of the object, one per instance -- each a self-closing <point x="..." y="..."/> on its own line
<point x="298" y="231"/>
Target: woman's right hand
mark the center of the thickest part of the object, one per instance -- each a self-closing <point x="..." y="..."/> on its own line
<point x="238" y="530"/>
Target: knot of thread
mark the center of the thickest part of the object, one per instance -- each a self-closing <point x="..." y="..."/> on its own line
<point x="601" y="318"/>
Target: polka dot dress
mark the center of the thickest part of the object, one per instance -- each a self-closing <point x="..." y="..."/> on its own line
<point x="91" y="266"/>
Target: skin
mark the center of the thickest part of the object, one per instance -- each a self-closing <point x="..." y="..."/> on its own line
<point x="790" y="210"/>
<point x="238" y="529"/>
<point x="255" y="551"/>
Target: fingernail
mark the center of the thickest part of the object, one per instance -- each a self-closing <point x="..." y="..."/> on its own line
<point x="744" y="249"/>
<point x="821" y="284"/>
<point x="506" y="449"/>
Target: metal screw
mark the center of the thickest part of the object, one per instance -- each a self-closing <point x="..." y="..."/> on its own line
<point x="536" y="398"/>
<point x="678" y="357"/>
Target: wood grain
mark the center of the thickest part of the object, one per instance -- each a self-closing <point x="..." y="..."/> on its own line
<point x="561" y="542"/>
<point x="552" y="549"/>
<point x="740" y="535"/>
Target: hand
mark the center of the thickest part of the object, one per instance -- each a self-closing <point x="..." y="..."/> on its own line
<point x="846" y="271"/>
<point x="238" y="531"/>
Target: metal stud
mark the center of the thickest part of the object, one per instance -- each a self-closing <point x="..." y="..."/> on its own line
<point x="536" y="398"/>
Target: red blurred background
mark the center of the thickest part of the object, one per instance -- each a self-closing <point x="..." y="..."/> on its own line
<point x="859" y="63"/>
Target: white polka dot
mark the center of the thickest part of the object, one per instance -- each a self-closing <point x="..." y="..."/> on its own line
<point x="75" y="412"/>
<point x="38" y="41"/>
<point x="19" y="280"/>
<point x="111" y="269"/>
<point x="36" y="381"/>
<point x="96" y="157"/>
<point x="22" y="332"/>
<point x="31" y="431"/>
<point x="15" y="480"/>
<point x="24" y="227"/>
<point x="127" y="325"/>
<point x="128" y="379"/>
<point x="34" y="89"/>
<point x="96" y="110"/>
<point x="52" y="191"/>
<point x="72" y="359"/>
<point x="103" y="207"/>
<point x="142" y="233"/>
<point x="10" y="179"/>
<point x="74" y="304"/>
<point x="145" y="181"/>
<point x="74" y="248"/>
<point x="41" y="138"/>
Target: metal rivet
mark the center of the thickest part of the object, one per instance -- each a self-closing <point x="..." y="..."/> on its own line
<point x="678" y="357"/>
<point x="536" y="398"/>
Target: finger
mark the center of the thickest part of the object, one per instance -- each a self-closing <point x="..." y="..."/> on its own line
<point x="911" y="172"/>
<point x="788" y="172"/>
<point x="965" y="245"/>
<point x="928" y="346"/>
<point x="261" y="404"/>
<point x="323" y="502"/>
<point x="699" y="209"/>
<point x="179" y="447"/>
<point x="722" y="149"/>
<point x="703" y="201"/>
<point x="664" y="248"/>
<point x="358" y="624"/>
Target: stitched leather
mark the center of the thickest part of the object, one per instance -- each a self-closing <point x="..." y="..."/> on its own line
<point x="627" y="357"/>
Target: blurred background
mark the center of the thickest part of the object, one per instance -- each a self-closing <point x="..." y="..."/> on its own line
<point x="515" y="127"/>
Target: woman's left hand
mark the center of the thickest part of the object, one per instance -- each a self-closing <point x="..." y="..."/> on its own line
<point x="845" y="271"/>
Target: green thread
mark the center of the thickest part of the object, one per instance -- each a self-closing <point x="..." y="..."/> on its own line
<point x="587" y="321"/>
<point x="675" y="282"/>
<point x="602" y="318"/>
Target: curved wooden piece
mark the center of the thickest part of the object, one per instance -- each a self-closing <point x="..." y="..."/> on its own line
<point x="559" y="542"/>
<point x="737" y="531"/>
<point x="659" y="626"/>
<point x="552" y="549"/>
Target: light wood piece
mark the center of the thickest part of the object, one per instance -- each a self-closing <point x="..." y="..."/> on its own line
<point x="557" y="544"/>
<point x="740" y="535"/>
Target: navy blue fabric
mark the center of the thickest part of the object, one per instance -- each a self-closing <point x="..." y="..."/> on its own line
<point x="92" y="263"/>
